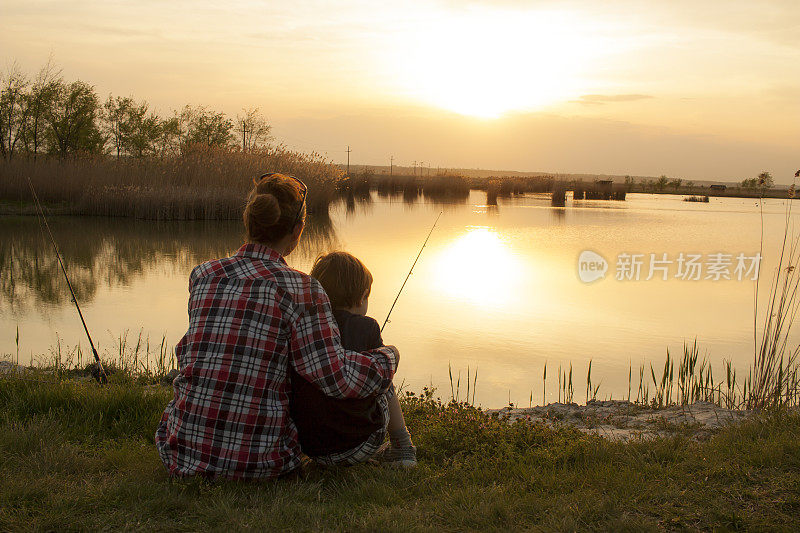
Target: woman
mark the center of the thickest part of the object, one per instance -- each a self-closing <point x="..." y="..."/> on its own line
<point x="251" y="319"/>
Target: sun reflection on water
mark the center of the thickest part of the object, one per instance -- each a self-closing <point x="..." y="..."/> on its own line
<point x="480" y="267"/>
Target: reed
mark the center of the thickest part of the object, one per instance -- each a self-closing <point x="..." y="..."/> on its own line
<point x="455" y="386"/>
<point x="544" y="384"/>
<point x="560" y="384"/>
<point x="510" y="186"/>
<point x="202" y="183"/>
<point x="442" y="188"/>
<point x="395" y="185"/>
<point x="140" y="361"/>
<point x="357" y="185"/>
<point x="445" y="188"/>
<point x="642" y="394"/>
<point x="559" y="196"/>
<point x="630" y="370"/>
<point x="568" y="391"/>
<point x="592" y="391"/>
<point x="452" y="389"/>
<point x="492" y="191"/>
<point x="693" y="382"/>
<point x="702" y="199"/>
<point x="619" y="193"/>
<point x="773" y="377"/>
<point x="588" y="380"/>
<point x="129" y="358"/>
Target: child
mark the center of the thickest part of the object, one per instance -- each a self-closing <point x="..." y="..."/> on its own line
<point x="348" y="431"/>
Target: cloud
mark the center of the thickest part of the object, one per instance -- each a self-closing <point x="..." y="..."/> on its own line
<point x="106" y="31"/>
<point x="600" y="99"/>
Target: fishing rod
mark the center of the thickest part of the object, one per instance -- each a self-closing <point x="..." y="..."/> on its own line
<point x="101" y="377"/>
<point x="410" y="271"/>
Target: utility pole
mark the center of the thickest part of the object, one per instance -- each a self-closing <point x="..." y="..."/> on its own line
<point x="348" y="160"/>
<point x="391" y="166"/>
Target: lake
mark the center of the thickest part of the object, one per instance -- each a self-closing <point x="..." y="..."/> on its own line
<point x="497" y="289"/>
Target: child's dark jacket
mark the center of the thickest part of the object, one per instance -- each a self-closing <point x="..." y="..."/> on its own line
<point x="330" y="425"/>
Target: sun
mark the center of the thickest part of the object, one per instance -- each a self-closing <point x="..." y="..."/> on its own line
<point x="478" y="267"/>
<point x="485" y="62"/>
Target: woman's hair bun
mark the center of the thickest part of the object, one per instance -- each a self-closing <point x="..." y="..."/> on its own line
<point x="262" y="212"/>
<point x="266" y="208"/>
<point x="274" y="207"/>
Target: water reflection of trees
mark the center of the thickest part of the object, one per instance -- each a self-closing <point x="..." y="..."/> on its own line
<point x="100" y="252"/>
<point x="107" y="252"/>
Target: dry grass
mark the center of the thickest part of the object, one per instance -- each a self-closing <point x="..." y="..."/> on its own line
<point x="202" y="183"/>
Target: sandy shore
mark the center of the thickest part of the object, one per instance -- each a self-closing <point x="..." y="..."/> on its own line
<point x="622" y="420"/>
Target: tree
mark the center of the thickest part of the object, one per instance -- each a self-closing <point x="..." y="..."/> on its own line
<point x="72" y="120"/>
<point x="762" y="181"/>
<point x="201" y="126"/>
<point x="114" y="111"/>
<point x="12" y="109"/>
<point x="662" y="182"/>
<point x="38" y="100"/>
<point x="253" y="129"/>
<point x="169" y="140"/>
<point x="145" y="135"/>
<point x="765" y="180"/>
<point x="675" y="183"/>
<point x="129" y="128"/>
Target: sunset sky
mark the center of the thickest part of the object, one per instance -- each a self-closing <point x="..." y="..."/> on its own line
<point x="692" y="89"/>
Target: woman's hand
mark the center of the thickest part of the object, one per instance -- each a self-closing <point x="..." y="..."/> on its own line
<point x="396" y="355"/>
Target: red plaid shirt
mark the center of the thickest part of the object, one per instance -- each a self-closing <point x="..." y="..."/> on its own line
<point x="250" y="318"/>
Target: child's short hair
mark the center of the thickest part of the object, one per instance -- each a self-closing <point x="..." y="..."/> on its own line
<point x="343" y="277"/>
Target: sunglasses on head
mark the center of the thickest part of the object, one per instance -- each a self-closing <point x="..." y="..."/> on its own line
<point x="303" y="188"/>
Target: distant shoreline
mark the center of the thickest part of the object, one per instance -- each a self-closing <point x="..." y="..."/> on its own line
<point x="16" y="208"/>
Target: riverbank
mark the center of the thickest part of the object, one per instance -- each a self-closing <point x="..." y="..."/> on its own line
<point x="79" y="456"/>
<point x="211" y="184"/>
<point x="624" y="421"/>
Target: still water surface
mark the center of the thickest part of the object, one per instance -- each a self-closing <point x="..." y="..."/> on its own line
<point x="497" y="288"/>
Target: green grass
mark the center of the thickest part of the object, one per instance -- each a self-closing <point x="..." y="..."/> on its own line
<point x="74" y="455"/>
